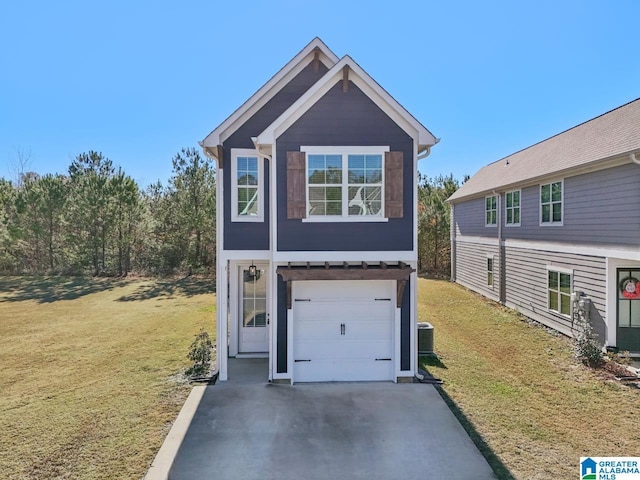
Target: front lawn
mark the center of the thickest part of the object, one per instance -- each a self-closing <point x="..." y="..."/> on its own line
<point x="88" y="372"/>
<point x="536" y="409"/>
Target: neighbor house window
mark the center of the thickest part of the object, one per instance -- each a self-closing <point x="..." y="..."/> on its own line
<point x="551" y="203"/>
<point x="491" y="211"/>
<point x="490" y="271"/>
<point x="512" y="208"/>
<point x="559" y="291"/>
<point x="345" y="182"/>
<point x="246" y="186"/>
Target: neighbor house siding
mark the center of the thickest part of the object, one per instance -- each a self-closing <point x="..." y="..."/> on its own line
<point x="471" y="268"/>
<point x="345" y="119"/>
<point x="526" y="284"/>
<point x="470" y="217"/>
<point x="255" y="235"/>
<point x="600" y="207"/>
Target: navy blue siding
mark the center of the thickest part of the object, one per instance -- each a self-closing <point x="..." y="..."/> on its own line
<point x="349" y="119"/>
<point x="252" y="235"/>
<point x="281" y="333"/>
<point x="405" y="329"/>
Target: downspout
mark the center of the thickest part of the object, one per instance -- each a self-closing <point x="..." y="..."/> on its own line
<point x="264" y="156"/>
<point x="501" y="251"/>
<point x="452" y="239"/>
<point x="634" y="158"/>
<point x="425" y="153"/>
<point x="221" y="268"/>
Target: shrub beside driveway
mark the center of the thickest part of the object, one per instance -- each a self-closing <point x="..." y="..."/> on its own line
<point x="536" y="408"/>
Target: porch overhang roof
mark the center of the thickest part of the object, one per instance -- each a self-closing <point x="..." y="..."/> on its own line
<point x="346" y="271"/>
<point x="363" y="271"/>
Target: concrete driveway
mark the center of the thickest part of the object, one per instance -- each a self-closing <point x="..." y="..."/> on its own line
<point x="326" y="431"/>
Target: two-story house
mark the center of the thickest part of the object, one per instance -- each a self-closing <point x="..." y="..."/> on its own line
<point x="317" y="225"/>
<point x="560" y="217"/>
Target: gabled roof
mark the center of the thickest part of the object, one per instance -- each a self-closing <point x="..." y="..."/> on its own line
<point x="269" y="90"/>
<point x="610" y="136"/>
<point x="368" y="85"/>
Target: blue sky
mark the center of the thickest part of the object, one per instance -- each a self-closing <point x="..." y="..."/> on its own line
<point x="138" y="80"/>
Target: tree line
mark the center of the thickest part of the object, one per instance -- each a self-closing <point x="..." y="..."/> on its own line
<point x="96" y="220"/>
<point x="434" y="223"/>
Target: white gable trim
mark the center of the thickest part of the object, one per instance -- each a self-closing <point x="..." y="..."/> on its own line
<point x="369" y="86"/>
<point x="269" y="90"/>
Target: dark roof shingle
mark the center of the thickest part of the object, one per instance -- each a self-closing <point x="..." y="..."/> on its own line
<point x="613" y="133"/>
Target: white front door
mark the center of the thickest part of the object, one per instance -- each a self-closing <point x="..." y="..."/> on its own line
<point x="252" y="335"/>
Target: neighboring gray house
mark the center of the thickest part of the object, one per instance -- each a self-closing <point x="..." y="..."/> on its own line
<point x="317" y="225"/>
<point x="559" y="217"/>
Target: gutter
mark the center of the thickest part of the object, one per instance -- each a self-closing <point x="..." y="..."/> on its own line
<point x="425" y="153"/>
<point x="262" y="154"/>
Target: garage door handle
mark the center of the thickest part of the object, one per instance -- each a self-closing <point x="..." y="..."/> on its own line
<point x="383" y="359"/>
<point x="302" y="360"/>
<point x="303" y="299"/>
<point x="382" y="299"/>
<point x="342" y="329"/>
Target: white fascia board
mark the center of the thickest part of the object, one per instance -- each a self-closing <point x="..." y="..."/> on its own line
<point x="370" y="256"/>
<point x="363" y="81"/>
<point x="269" y="90"/>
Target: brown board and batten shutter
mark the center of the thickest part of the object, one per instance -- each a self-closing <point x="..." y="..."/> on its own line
<point x="296" y="185"/>
<point x="393" y="180"/>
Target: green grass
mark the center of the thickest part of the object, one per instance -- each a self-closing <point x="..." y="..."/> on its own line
<point x="88" y="372"/>
<point x="532" y="408"/>
<point x="88" y="379"/>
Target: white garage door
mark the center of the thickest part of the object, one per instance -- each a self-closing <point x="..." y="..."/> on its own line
<point x="343" y="330"/>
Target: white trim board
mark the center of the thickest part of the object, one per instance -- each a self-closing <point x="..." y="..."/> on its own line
<point x="246" y="255"/>
<point x="626" y="252"/>
<point x="325" y="256"/>
<point x="269" y="90"/>
<point x="587" y="249"/>
<point x="363" y="81"/>
<point x="492" y="241"/>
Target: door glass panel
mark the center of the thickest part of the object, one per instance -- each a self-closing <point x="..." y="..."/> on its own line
<point x="628" y="299"/>
<point x="624" y="309"/>
<point x="254" y="294"/>
<point x="635" y="313"/>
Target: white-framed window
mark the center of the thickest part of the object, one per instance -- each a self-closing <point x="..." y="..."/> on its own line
<point x="345" y="183"/>
<point x="559" y="287"/>
<point x="491" y="211"/>
<point x="247" y="186"/>
<point x="490" y="271"/>
<point x="512" y="208"/>
<point x="551" y="200"/>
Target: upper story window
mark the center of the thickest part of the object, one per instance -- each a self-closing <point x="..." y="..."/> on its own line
<point x="491" y="211"/>
<point x="559" y="290"/>
<point x="551" y="195"/>
<point x="512" y="208"/>
<point x="345" y="183"/>
<point x="246" y="186"/>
